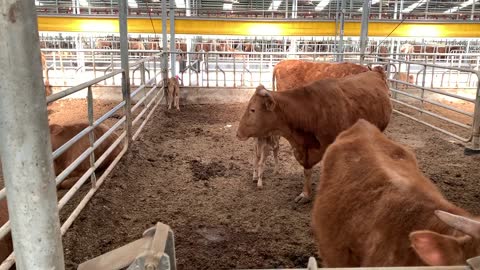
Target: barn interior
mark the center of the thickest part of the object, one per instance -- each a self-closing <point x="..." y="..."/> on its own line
<point x="184" y="172"/>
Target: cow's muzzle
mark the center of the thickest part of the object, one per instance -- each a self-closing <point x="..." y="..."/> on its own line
<point x="241" y="137"/>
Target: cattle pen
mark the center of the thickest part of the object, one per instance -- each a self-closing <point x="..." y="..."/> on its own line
<point x="181" y="181"/>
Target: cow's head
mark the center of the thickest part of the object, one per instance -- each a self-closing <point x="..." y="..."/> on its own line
<point x="55" y="136"/>
<point x="438" y="249"/>
<point x="259" y="118"/>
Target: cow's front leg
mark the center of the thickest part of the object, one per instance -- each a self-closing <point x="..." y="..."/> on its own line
<point x="306" y="195"/>
<point x="256" y="158"/>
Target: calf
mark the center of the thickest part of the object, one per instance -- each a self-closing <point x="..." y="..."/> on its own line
<point x="402" y="76"/>
<point x="293" y="74"/>
<point x="375" y="208"/>
<point x="262" y="148"/>
<point x="310" y="117"/>
<point x="60" y="134"/>
<point x="173" y="94"/>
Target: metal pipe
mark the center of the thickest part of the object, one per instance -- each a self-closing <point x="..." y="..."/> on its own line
<point x="401" y="8"/>
<point x="26" y="149"/>
<point x="476" y="118"/>
<point x="123" y="14"/>
<point x="380" y="9"/>
<point x="164" y="42"/>
<point x="342" y="28"/>
<point x="294" y="8"/>
<point x="395" y="10"/>
<point x="172" y="40"/>
<point x="472" y="16"/>
<point x="188" y="11"/>
<point x="364" y="29"/>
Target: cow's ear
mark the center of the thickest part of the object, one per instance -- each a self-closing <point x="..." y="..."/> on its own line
<point x="437" y="249"/>
<point x="55" y="129"/>
<point x="270" y="103"/>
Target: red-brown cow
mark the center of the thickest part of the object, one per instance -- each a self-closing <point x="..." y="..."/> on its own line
<point x="6" y="244"/>
<point x="291" y="74"/>
<point x="375" y="208"/>
<point x="60" y="134"/>
<point x="310" y="117"/>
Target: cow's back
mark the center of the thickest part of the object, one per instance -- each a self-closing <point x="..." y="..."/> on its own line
<point x="334" y="105"/>
<point x="370" y="197"/>
<point x="71" y="130"/>
<point x="291" y="74"/>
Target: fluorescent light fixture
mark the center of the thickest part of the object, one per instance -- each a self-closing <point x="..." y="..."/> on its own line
<point x="83" y="3"/>
<point x="275" y="4"/>
<point x="227" y="6"/>
<point x="132" y="4"/>
<point x="321" y="5"/>
<point x="414" y="6"/>
<point x="373" y="3"/>
<point x="462" y="5"/>
<point x="37" y="3"/>
<point x="180" y="3"/>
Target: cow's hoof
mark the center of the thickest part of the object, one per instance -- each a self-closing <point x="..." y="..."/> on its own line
<point x="254" y="179"/>
<point x="259" y="185"/>
<point x="302" y="198"/>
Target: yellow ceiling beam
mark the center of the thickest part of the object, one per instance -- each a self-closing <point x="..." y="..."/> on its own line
<point x="260" y="28"/>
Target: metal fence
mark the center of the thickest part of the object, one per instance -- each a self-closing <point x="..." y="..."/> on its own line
<point x="149" y="94"/>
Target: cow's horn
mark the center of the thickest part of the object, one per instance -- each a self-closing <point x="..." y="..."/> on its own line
<point x="466" y="225"/>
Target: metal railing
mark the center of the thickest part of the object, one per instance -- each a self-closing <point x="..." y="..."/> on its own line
<point x="440" y="93"/>
<point x="151" y="91"/>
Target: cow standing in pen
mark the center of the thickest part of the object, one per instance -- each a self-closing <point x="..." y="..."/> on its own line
<point x="310" y="117"/>
<point x="293" y="74"/>
<point x="375" y="208"/>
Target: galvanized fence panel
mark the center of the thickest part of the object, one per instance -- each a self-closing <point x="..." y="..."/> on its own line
<point x="150" y="86"/>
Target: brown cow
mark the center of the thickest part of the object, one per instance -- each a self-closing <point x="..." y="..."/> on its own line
<point x="310" y="117"/>
<point x="375" y="208"/>
<point x="6" y="244"/>
<point x="48" y="87"/>
<point x="301" y="73"/>
<point x="60" y="134"/>
<point x="290" y="74"/>
<point x="173" y="95"/>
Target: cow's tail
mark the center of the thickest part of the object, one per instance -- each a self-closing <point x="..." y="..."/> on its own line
<point x="273" y="78"/>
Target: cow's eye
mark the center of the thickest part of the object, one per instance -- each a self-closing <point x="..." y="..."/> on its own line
<point x="252" y="110"/>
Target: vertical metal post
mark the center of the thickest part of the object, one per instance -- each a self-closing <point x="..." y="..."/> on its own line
<point x="294" y="8"/>
<point x="472" y="16"/>
<point x="188" y="10"/>
<point x="426" y="9"/>
<point x="401" y="8"/>
<point x="26" y="150"/>
<point x="476" y="119"/>
<point x="364" y="29"/>
<point x="395" y="10"/>
<point x="351" y="9"/>
<point x="123" y="13"/>
<point x="172" y="40"/>
<point x="380" y="6"/>
<point x="286" y="9"/>
<point x="165" y="43"/>
<point x="342" y="27"/>
<point x="91" y="137"/>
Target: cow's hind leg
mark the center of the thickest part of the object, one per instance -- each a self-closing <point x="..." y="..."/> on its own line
<point x="177" y="100"/>
<point x="306" y="196"/>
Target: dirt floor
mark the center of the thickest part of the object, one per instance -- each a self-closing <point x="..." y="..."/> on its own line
<point x="189" y="171"/>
